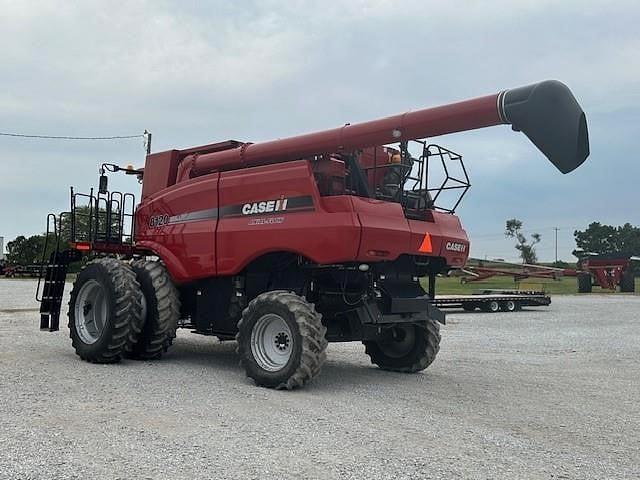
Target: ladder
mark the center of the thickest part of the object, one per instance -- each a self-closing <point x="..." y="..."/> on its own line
<point x="51" y="281"/>
<point x="53" y="288"/>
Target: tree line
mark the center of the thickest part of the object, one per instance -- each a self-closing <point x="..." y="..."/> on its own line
<point x="597" y="238"/>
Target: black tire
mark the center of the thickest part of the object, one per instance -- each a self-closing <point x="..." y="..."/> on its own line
<point x="584" y="282"/>
<point x="493" y="306"/>
<point x="421" y="345"/>
<point x="307" y="341"/>
<point x="627" y="282"/>
<point x="509" y="306"/>
<point x="468" y="307"/>
<point x="122" y="298"/>
<point x="162" y="311"/>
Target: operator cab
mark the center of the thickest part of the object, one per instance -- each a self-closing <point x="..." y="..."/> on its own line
<point x="419" y="176"/>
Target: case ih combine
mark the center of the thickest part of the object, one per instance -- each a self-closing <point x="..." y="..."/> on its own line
<point x="289" y="244"/>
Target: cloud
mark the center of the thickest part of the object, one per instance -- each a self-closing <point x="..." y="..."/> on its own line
<point x="195" y="72"/>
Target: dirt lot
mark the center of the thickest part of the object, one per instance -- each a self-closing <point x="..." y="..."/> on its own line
<point x="548" y="393"/>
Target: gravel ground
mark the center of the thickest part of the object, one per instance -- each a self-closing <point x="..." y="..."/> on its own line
<point x="546" y="393"/>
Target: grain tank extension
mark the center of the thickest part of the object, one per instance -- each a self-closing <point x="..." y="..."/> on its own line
<point x="289" y="244"/>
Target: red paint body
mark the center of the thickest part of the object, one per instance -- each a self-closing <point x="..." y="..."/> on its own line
<point x="332" y="229"/>
<point x="429" y="122"/>
<point x="607" y="272"/>
<point x="339" y="229"/>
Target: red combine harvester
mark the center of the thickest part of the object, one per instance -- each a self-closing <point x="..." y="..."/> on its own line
<point x="288" y="244"/>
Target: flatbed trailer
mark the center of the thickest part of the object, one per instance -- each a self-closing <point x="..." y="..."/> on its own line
<point x="494" y="300"/>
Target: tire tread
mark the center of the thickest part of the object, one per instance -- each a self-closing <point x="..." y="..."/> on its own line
<point x="314" y="342"/>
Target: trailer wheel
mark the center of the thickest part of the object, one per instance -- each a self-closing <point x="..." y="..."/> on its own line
<point x="161" y="310"/>
<point x="492" y="306"/>
<point x="509" y="306"/>
<point x="105" y="311"/>
<point x="405" y="348"/>
<point x="584" y="282"/>
<point x="281" y="340"/>
<point x="627" y="282"/>
<point x="468" y="307"/>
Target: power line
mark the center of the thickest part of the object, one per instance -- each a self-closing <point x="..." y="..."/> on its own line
<point x="65" y="137"/>
<point x="543" y="229"/>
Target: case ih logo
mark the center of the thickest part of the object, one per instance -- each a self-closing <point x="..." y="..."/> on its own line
<point x="269" y="206"/>
<point x="455" y="247"/>
<point x="157" y="221"/>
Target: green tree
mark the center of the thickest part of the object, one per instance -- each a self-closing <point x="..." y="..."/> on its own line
<point x="607" y="239"/>
<point x="25" y="250"/>
<point x="525" y="247"/>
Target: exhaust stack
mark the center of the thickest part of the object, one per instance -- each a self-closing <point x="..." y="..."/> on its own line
<point x="546" y="112"/>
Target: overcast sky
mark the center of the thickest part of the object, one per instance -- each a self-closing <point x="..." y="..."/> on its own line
<point x="196" y="72"/>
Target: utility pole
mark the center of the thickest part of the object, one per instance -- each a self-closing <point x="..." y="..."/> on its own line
<point x="556" y="229"/>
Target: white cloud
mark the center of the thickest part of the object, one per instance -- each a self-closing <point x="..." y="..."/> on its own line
<point x="195" y="72"/>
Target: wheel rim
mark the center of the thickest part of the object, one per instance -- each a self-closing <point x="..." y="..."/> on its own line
<point x="511" y="306"/>
<point x="494" y="307"/>
<point x="401" y="341"/>
<point x="91" y="312"/>
<point x="271" y="342"/>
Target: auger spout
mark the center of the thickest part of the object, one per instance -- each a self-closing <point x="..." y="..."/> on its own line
<point x="546" y="112"/>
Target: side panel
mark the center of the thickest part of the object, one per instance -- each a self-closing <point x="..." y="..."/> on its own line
<point x="179" y="225"/>
<point x="278" y="208"/>
<point x="159" y="172"/>
<point x="448" y="238"/>
<point x="385" y="231"/>
<point x="387" y="234"/>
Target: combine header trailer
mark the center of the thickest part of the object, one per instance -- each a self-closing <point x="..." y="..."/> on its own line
<point x="485" y="269"/>
<point x="286" y="245"/>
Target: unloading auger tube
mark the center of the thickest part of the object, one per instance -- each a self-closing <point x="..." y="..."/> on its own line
<point x="546" y="112"/>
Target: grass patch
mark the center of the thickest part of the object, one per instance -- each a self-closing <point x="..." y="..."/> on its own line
<point x="564" y="286"/>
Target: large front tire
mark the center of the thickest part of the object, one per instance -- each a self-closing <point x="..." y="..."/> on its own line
<point x="161" y="310"/>
<point x="405" y="348"/>
<point x="105" y="311"/>
<point x="281" y="340"/>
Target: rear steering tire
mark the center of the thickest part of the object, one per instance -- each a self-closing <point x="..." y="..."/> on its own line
<point x="405" y="348"/>
<point x="105" y="311"/>
<point x="160" y="313"/>
<point x="281" y="340"/>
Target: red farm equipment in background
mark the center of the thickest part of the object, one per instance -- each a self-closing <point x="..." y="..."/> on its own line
<point x="288" y="244"/>
<point x="484" y="269"/>
<point x="609" y="272"/>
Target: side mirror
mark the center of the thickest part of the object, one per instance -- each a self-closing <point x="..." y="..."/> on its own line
<point x="103" y="186"/>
